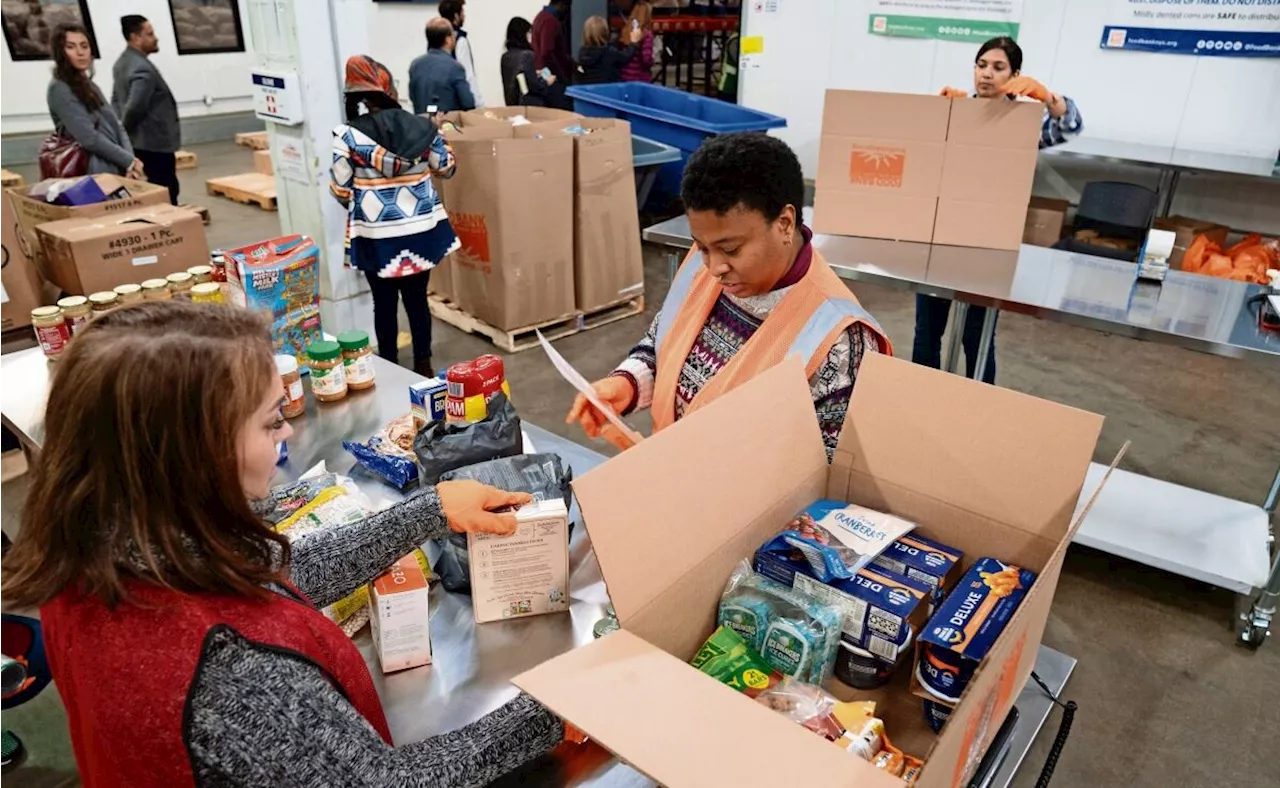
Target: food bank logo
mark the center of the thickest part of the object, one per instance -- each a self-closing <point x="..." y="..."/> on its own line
<point x="473" y="237"/>
<point x="876" y="165"/>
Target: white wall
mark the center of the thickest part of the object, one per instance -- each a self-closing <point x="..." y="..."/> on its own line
<point x="398" y="30"/>
<point x="202" y="84"/>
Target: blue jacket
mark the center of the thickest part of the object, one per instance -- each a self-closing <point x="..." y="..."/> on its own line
<point x="436" y="79"/>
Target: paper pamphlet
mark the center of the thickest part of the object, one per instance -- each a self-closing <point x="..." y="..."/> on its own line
<point x="580" y="383"/>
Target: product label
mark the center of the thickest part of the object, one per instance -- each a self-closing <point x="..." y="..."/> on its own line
<point x="882" y="648"/>
<point x="53" y="338"/>
<point x="294" y="391"/>
<point x="359" y="370"/>
<point x="328" y="381"/>
<point x="786" y="649"/>
<point x="76" y="323"/>
<point x="742" y="620"/>
<point x="853" y="610"/>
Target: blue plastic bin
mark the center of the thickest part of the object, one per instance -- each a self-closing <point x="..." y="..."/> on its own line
<point x="648" y="156"/>
<point x="670" y="116"/>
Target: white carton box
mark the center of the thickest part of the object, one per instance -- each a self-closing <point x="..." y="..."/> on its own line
<point x="526" y="573"/>
<point x="400" y="616"/>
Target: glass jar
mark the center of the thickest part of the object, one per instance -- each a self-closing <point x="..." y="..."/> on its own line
<point x="103" y="302"/>
<point x="180" y="284"/>
<point x="77" y="312"/>
<point x="201" y="273"/>
<point x="357" y="359"/>
<point x="294" y="403"/>
<point x="218" y="265"/>
<point x="128" y="294"/>
<point x="51" y="330"/>
<point x="328" y="380"/>
<point x="156" y="290"/>
<point x="207" y="293"/>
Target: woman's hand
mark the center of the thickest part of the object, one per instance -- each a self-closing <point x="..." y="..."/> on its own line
<point x="550" y="79"/>
<point x="617" y="393"/>
<point x="469" y="507"/>
<point x="950" y="92"/>
<point x="1029" y="87"/>
<point x="136" y="170"/>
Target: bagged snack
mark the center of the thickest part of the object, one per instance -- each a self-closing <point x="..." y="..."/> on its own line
<point x="389" y="454"/>
<point x="911" y="768"/>
<point x="444" y="446"/>
<point x="838" y="539"/>
<point x="727" y="658"/>
<point x="805" y="704"/>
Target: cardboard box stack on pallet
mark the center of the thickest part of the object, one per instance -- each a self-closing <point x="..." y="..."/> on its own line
<point x="546" y="214"/>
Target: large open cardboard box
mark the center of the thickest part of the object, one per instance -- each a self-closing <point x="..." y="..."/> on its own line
<point x="988" y="470"/>
<point x="34" y="211"/>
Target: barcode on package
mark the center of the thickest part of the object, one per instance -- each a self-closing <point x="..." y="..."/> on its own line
<point x="882" y="648"/>
<point x="916" y="574"/>
<point x="886" y="562"/>
<point x="853" y="610"/>
<point x="885" y="623"/>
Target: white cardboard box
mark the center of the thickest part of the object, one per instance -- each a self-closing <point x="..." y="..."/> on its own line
<point x="526" y="573"/>
<point x="400" y="616"/>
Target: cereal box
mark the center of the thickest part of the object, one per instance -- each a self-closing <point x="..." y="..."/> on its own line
<point x="280" y="277"/>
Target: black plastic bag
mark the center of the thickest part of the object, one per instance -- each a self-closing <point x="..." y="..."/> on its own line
<point x="444" y="446"/>
<point x="543" y="476"/>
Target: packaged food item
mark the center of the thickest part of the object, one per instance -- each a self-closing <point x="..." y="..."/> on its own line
<point x="357" y="359"/>
<point x="525" y="573"/>
<point x="729" y="659"/>
<point x="294" y="402"/>
<point x="156" y="290"/>
<point x="128" y="294"/>
<point x="443" y="446"/>
<point x="328" y="380"/>
<point x="838" y="539"/>
<point x="51" y="329"/>
<point x="76" y="311"/>
<point x="922" y="559"/>
<point x="936" y="714"/>
<point x="797" y="635"/>
<point x="967" y="624"/>
<point x="180" y="284"/>
<point x="865" y="742"/>
<point x="804" y="704"/>
<point x="493" y="376"/>
<point x="464" y="401"/>
<point x="389" y="454"/>
<point x="911" y="769"/>
<point x="201" y="273"/>
<point x="400" y="616"/>
<point x="103" y="301"/>
<point x="427" y="401"/>
<point x="206" y="293"/>
<point x="279" y="277"/>
<point x="890" y="758"/>
<point x="854" y="714"/>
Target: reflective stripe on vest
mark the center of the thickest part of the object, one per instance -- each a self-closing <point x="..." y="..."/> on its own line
<point x="823" y="321"/>
<point x="675" y="299"/>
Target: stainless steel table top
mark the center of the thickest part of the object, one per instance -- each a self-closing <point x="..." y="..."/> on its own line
<point x="1166" y="156"/>
<point x="1192" y="311"/>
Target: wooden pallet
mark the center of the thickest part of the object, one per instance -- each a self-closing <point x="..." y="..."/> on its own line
<point x="185" y="160"/>
<point x="611" y="313"/>
<point x="8" y="179"/>
<point x="251" y="188"/>
<point x="512" y="340"/>
<point x="258" y="140"/>
<point x="200" y="209"/>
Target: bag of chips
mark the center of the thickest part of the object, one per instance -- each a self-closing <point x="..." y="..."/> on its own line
<point x="389" y="454"/>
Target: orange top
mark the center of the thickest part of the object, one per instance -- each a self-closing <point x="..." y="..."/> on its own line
<point x="806" y="322"/>
<point x="404" y="575"/>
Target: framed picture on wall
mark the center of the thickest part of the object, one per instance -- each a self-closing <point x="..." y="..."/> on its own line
<point x="204" y="26"/>
<point x="28" y="24"/>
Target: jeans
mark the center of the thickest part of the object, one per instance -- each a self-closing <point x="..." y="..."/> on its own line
<point x="931" y="322"/>
<point x="386" y="315"/>
<point x="161" y="169"/>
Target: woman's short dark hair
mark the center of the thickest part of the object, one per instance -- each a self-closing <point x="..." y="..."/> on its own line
<point x="518" y="30"/>
<point x="1006" y="45"/>
<point x="748" y="168"/>
<point x="80" y="82"/>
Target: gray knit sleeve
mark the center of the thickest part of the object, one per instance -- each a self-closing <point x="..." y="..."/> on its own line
<point x="260" y="717"/>
<point x="330" y="563"/>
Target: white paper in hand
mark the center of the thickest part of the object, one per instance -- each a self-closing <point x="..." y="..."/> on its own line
<point x="580" y="383"/>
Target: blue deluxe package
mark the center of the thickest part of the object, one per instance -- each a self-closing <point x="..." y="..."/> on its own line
<point x="925" y="560"/>
<point x="967" y="624"/>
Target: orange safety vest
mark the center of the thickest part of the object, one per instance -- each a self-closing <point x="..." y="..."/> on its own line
<point x="806" y="323"/>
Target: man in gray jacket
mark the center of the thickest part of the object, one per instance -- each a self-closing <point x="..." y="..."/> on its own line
<point x="436" y="79"/>
<point x="145" y="104"/>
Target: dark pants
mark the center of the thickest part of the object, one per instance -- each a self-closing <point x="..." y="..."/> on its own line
<point x="161" y="169"/>
<point x="931" y="323"/>
<point x="386" y="315"/>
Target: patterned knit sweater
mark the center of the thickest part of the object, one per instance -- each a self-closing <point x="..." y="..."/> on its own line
<point x="731" y="323"/>
<point x="259" y="716"/>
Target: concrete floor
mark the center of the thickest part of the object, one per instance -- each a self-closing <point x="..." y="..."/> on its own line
<point x="1166" y="698"/>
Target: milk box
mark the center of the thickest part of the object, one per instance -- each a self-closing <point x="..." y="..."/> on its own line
<point x="400" y="617"/>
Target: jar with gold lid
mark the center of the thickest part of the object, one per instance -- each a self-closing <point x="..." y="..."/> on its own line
<point x="128" y="294"/>
<point x="180" y="284"/>
<point x="207" y="293"/>
<point x="156" y="290"/>
<point x="201" y="273"/>
<point x="103" y="302"/>
<point x="77" y="312"/>
<point x="51" y="330"/>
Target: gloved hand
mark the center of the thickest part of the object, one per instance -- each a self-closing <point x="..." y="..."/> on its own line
<point x="468" y="506"/>
<point x="950" y="92"/>
<point x="615" y="391"/>
<point x="1026" y="86"/>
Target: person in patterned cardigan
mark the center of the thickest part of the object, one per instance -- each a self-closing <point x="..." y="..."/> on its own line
<point x="751" y="260"/>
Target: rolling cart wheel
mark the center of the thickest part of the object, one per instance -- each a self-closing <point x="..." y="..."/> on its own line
<point x="1252" y="637"/>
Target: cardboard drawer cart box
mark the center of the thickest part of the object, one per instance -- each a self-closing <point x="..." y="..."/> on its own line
<point x="33" y="210"/>
<point x="86" y="255"/>
<point x="989" y="471"/>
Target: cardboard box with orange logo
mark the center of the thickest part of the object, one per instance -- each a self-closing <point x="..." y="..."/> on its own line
<point x="989" y="471"/>
<point x="400" y="617"/>
<point x="926" y="168"/>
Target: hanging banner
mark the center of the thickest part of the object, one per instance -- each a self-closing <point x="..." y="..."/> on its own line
<point x="1213" y="28"/>
<point x="972" y="21"/>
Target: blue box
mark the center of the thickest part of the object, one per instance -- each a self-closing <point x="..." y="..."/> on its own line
<point x="967" y="624"/>
<point x="925" y="560"/>
<point x="426" y="401"/>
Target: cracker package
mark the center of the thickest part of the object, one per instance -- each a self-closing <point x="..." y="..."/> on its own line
<point x="838" y="539"/>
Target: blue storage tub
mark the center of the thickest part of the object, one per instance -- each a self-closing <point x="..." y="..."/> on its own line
<point x="669" y="116"/>
<point x="648" y="156"/>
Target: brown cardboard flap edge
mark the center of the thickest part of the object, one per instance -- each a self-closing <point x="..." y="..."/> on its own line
<point x="672" y="722"/>
<point x="983" y="452"/>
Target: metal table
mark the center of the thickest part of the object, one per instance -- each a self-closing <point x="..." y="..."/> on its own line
<point x="1174" y="528"/>
<point x="473" y="665"/>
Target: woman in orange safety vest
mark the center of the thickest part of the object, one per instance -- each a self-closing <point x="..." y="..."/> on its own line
<point x="752" y="291"/>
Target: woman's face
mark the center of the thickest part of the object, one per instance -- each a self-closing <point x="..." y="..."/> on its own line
<point x="745" y="252"/>
<point x="259" y="437"/>
<point x="990" y="72"/>
<point x="79" y="53"/>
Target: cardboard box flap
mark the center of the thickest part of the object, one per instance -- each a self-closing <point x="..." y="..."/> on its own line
<point x="985" y="451"/>
<point x="656" y="512"/>
<point x="682" y="728"/>
<point x="998" y="122"/>
<point x="903" y="116"/>
<point x="114" y="224"/>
